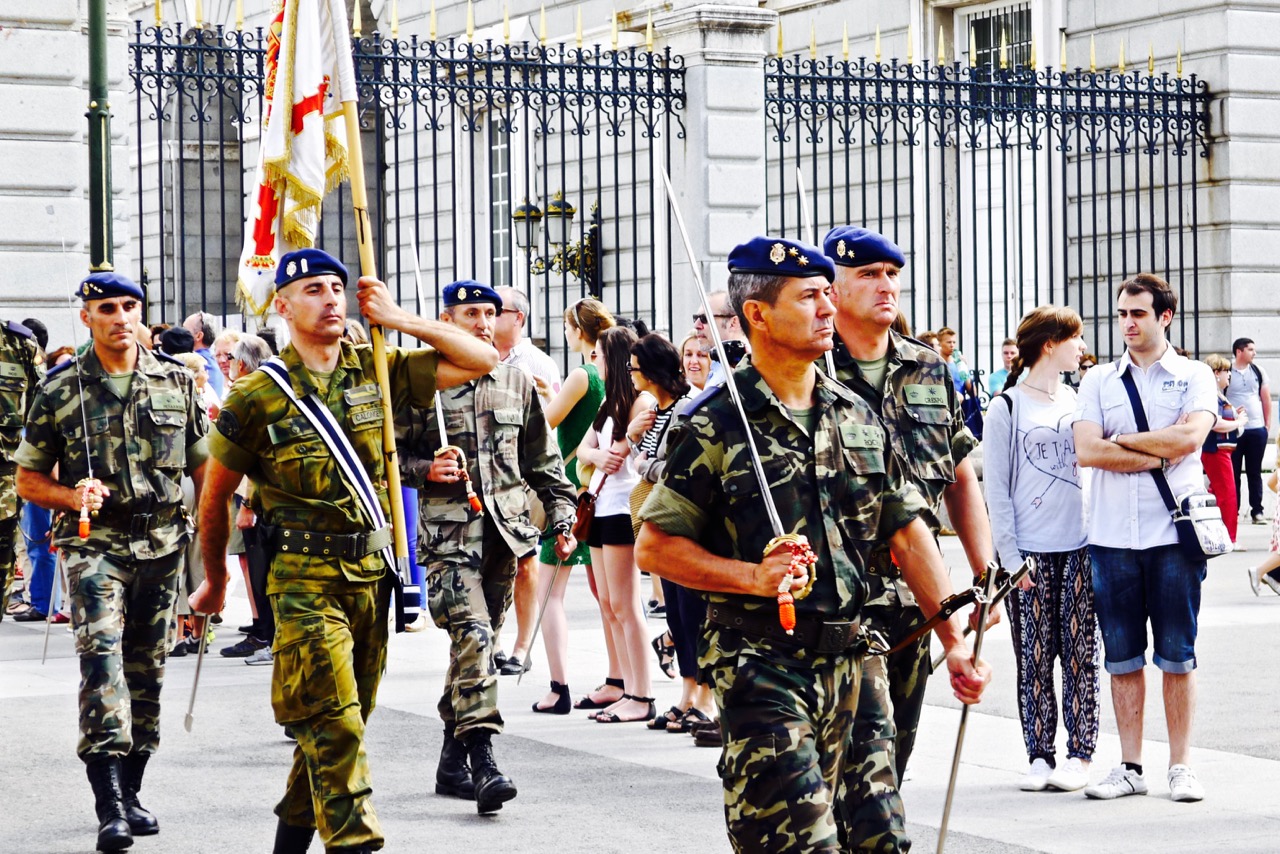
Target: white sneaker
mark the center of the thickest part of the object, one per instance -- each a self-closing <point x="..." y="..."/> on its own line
<point x="261" y="656"/>
<point x="1070" y="776"/>
<point x="1119" y="783"/>
<point x="1253" y="580"/>
<point x="1037" y="776"/>
<point x="1183" y="785"/>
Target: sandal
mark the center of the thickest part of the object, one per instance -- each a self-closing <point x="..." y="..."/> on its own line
<point x="614" y="718"/>
<point x="667" y="718"/>
<point x="666" y="653"/>
<point x="588" y="703"/>
<point x="561" y="705"/>
<point x="688" y="721"/>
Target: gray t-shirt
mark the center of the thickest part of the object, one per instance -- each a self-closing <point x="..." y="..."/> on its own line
<point x="1245" y="390"/>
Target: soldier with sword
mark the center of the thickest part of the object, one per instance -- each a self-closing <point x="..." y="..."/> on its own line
<point x="771" y="501"/>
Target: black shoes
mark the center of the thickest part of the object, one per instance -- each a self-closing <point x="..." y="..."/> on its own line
<point x="563" y="704"/>
<point x="291" y="839"/>
<point x="493" y="788"/>
<point x="31" y="615"/>
<point x="141" y="821"/>
<point x="513" y="666"/>
<point x="244" y="648"/>
<point x="453" y="775"/>
<point x="113" y="826"/>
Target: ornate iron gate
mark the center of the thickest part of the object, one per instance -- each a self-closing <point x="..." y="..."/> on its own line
<point x="457" y="134"/>
<point x="1007" y="187"/>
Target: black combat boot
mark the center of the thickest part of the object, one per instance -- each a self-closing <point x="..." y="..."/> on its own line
<point x="453" y="775"/>
<point x="141" y="821"/>
<point x="291" y="839"/>
<point x="493" y="789"/>
<point x="113" y="827"/>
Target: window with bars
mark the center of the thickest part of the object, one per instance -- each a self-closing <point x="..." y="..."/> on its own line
<point x="500" y="248"/>
<point x="990" y="26"/>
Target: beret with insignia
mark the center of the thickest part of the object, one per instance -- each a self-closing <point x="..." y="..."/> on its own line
<point x="468" y="292"/>
<point x="851" y="246"/>
<point x="108" y="286"/>
<point x="305" y="263"/>
<point x="777" y="256"/>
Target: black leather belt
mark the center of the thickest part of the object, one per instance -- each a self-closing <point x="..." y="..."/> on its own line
<point x="827" y="637"/>
<point x="139" y="518"/>
<point x="350" y="546"/>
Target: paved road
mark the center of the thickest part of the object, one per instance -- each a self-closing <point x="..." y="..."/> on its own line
<point x="591" y="788"/>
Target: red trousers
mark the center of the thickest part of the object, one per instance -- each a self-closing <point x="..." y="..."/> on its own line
<point x="1217" y="467"/>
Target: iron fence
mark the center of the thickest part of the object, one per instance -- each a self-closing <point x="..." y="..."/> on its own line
<point x="458" y="136"/>
<point x="1006" y="187"/>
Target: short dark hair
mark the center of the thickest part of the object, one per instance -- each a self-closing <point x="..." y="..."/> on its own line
<point x="39" y="330"/>
<point x="1239" y="344"/>
<point x="1162" y="296"/>
<point x="744" y="287"/>
<point x="660" y="362"/>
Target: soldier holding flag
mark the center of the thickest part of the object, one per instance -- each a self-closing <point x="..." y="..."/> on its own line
<point x="786" y="684"/>
<point x="294" y="434"/>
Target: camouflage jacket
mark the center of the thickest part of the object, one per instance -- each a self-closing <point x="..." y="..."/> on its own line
<point x="499" y="424"/>
<point x="921" y="411"/>
<point x="141" y="446"/>
<point x="262" y="433"/>
<point x="836" y="488"/>
<point x="20" y="373"/>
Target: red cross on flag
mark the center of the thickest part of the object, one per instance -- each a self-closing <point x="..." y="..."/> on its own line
<point x="303" y="148"/>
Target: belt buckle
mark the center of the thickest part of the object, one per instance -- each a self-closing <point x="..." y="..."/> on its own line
<point x="356" y="546"/>
<point x="139" y="524"/>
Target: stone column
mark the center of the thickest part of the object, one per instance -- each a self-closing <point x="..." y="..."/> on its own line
<point x="718" y="169"/>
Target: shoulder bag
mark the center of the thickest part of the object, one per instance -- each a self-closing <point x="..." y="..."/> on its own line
<point x="586" y="512"/>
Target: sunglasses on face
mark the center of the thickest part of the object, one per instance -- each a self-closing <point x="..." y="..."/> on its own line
<point x="701" y="317"/>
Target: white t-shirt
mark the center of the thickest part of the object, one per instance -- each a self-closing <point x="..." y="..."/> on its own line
<point x="615" y="498"/>
<point x="1126" y="510"/>
<point x="1245" y="390"/>
<point x="1032" y="483"/>
<point x="537" y="363"/>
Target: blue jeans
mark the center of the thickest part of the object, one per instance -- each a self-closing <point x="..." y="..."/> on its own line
<point x="35" y="530"/>
<point x="1132" y="586"/>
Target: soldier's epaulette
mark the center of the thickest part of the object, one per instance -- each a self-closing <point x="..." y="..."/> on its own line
<point x="53" y="372"/>
<point x="18" y="329"/>
<point x="165" y="357"/>
<point x="704" y="398"/>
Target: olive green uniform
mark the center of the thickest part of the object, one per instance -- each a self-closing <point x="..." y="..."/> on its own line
<point x="19" y="375"/>
<point x="786" y="704"/>
<point x="926" y="429"/>
<point x="470" y="558"/>
<point x="331" y="627"/>
<point x="123" y="576"/>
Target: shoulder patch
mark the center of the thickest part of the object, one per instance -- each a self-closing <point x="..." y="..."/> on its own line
<point x="229" y="425"/>
<point x="18" y="329"/>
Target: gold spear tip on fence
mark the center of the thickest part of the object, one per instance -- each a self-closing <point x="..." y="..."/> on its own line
<point x="1033" y="51"/>
<point x="471" y="21"/>
<point x="648" y="33"/>
<point x="356" y="26"/>
<point x="911" y="45"/>
<point x="159" y="18"/>
<point x="1004" y="49"/>
<point x="813" y="40"/>
<point x="942" y="46"/>
<point x="1062" y="50"/>
<point x="542" y="25"/>
<point x="239" y="15"/>
<point x="877" y="42"/>
<point x="395" y="18"/>
<point x="613" y="31"/>
<point x="779" y="37"/>
<point x="506" y="23"/>
<point x="578" y="33"/>
<point x="199" y="14"/>
<point x="1151" y="58"/>
<point x="1121" y="64"/>
<point x="973" y="57"/>
<point x="1093" y="56"/>
<point x="1179" y="59"/>
<point x="844" y="42"/>
<point x="432" y="32"/>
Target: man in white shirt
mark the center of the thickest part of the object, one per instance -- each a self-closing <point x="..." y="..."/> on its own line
<point x="1140" y="572"/>
<point x="1249" y="387"/>
<point x="515" y="349"/>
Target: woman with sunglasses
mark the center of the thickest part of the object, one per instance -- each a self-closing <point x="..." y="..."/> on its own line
<point x="571" y="412"/>
<point x="611" y="537"/>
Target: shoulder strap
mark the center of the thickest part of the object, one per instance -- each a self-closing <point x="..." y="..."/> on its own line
<point x="1257" y="372"/>
<point x="349" y="466"/>
<point x="1140" y="418"/>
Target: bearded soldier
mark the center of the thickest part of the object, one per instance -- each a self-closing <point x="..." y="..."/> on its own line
<point x="787" y="698"/>
<point x="122" y="425"/>
<point x="305" y="429"/>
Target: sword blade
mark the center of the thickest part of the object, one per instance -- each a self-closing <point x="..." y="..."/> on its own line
<point x="195" y="682"/>
<point x="983" y="610"/>
<point x="537" y="624"/>
<point x="775" y="521"/>
<point x="48" y="618"/>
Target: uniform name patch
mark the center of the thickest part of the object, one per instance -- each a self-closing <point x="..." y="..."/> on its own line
<point x="857" y="436"/>
<point x="364" y="416"/>
<point x="926" y="395"/>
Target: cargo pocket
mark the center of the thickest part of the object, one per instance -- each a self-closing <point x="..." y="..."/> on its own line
<point x="304" y="683"/>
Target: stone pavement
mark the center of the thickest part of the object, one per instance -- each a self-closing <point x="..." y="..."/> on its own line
<point x="591" y="788"/>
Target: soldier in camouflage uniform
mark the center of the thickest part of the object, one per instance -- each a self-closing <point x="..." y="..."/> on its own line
<point x="20" y="373"/>
<point x="328" y="583"/>
<point x="786" y="701"/>
<point x="137" y="415"/>
<point x="908" y="385"/>
<point x="470" y="557"/>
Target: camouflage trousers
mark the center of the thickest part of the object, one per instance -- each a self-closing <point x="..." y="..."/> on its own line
<point x="786" y="730"/>
<point x="330" y="652"/>
<point x="890" y="700"/>
<point x="120" y="616"/>
<point x="470" y="578"/>
<point x="8" y="560"/>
